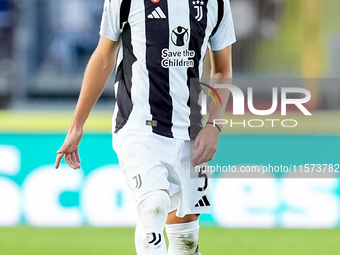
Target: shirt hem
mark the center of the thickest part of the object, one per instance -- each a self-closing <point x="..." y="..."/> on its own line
<point x="112" y="38"/>
<point x="223" y="46"/>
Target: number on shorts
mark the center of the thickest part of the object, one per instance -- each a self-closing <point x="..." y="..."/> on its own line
<point x="202" y="175"/>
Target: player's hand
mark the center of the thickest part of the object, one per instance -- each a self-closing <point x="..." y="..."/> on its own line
<point x="205" y="145"/>
<point x="69" y="150"/>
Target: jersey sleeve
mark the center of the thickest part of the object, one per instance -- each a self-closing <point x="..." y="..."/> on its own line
<point x="225" y="34"/>
<point x="110" y="24"/>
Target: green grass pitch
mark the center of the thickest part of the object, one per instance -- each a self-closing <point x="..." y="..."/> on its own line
<point x="213" y="241"/>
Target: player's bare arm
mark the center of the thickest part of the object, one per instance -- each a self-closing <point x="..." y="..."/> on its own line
<point x="206" y="142"/>
<point x="97" y="73"/>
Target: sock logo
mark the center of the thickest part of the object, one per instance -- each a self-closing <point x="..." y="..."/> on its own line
<point x="203" y="202"/>
<point x="138" y="181"/>
<point x="155" y="240"/>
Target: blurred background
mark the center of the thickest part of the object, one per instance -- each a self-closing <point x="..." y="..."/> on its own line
<point x="44" y="48"/>
<point x="45" y="45"/>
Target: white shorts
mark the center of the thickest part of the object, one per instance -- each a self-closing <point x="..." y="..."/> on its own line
<point x="152" y="162"/>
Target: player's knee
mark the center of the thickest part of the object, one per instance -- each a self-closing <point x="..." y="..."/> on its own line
<point x="152" y="209"/>
<point x="155" y="203"/>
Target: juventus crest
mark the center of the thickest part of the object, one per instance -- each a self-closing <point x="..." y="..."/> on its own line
<point x="198" y="5"/>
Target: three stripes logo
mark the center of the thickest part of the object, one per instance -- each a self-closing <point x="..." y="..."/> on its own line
<point x="203" y="202"/>
<point x="157" y="14"/>
<point x="156" y="239"/>
<point x="138" y="181"/>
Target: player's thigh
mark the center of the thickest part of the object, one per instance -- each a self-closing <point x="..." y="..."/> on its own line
<point x="173" y="219"/>
<point x="139" y="158"/>
<point x="192" y="195"/>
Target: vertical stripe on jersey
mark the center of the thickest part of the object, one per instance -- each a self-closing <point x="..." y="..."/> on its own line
<point x="124" y="70"/>
<point x="197" y="36"/>
<point x="124" y="12"/>
<point x="157" y="39"/>
<point x="179" y="91"/>
<point x="219" y="15"/>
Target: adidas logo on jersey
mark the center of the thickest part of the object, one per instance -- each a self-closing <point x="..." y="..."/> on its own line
<point x="157" y="14"/>
<point x="203" y="202"/>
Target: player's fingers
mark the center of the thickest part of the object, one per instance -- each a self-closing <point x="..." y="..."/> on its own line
<point x="58" y="159"/>
<point x="196" y="143"/>
<point x="210" y="152"/>
<point x="65" y="147"/>
<point x="69" y="161"/>
<point x="74" y="159"/>
<point x="210" y="156"/>
<point x="204" y="157"/>
<point x="197" y="156"/>
<point x="62" y="148"/>
<point x="198" y="153"/>
<point x="77" y="155"/>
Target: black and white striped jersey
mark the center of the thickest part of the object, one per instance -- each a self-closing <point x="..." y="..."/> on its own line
<point x="163" y="43"/>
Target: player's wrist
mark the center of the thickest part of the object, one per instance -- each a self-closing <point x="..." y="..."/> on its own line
<point x="76" y="128"/>
<point x="215" y="125"/>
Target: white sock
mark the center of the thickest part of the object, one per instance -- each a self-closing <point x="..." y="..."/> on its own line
<point x="152" y="210"/>
<point x="183" y="238"/>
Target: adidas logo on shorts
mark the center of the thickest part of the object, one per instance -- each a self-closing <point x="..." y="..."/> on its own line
<point x="203" y="202"/>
